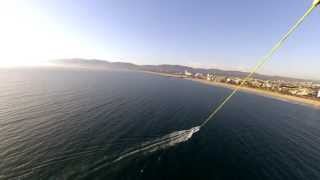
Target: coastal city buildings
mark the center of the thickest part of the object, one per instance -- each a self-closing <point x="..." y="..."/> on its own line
<point x="199" y="76"/>
<point x="301" y="91"/>
<point x="219" y="78"/>
<point x="299" y="88"/>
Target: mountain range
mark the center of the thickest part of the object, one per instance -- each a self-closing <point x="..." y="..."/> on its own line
<point x="164" y="68"/>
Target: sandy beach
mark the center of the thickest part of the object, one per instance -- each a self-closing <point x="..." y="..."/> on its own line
<point x="261" y="92"/>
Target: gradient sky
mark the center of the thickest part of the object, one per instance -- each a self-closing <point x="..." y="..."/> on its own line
<point x="203" y="33"/>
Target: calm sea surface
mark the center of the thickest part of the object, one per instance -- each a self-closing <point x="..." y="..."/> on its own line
<point x="75" y="124"/>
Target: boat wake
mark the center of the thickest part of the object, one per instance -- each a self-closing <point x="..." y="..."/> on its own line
<point x="163" y="142"/>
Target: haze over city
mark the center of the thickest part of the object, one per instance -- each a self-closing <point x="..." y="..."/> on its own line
<point x="229" y="35"/>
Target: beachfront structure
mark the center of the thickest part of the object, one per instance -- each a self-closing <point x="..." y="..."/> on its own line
<point x="220" y="78"/>
<point x="301" y="91"/>
<point x="187" y="73"/>
<point x="318" y="95"/>
<point x="255" y="83"/>
<point x="210" y="77"/>
<point x="267" y="84"/>
<point x="199" y="76"/>
<point x="233" y="80"/>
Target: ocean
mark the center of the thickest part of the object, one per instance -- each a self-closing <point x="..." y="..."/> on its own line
<point x="60" y="123"/>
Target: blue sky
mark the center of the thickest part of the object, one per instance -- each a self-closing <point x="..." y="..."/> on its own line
<point x="206" y="33"/>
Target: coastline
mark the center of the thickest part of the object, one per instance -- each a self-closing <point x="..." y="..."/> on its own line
<point x="260" y="92"/>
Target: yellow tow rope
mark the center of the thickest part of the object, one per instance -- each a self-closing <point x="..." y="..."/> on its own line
<point x="263" y="61"/>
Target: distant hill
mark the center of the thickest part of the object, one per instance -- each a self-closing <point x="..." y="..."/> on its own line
<point x="95" y="63"/>
<point x="165" y="68"/>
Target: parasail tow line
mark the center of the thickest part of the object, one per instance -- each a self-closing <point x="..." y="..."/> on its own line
<point x="262" y="61"/>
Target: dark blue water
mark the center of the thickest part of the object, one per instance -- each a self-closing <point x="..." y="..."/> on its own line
<point x="75" y="124"/>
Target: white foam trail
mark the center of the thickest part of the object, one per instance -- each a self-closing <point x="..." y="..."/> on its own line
<point x="162" y="142"/>
<point x="147" y="147"/>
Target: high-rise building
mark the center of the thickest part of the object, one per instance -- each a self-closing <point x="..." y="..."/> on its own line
<point x="187" y="73"/>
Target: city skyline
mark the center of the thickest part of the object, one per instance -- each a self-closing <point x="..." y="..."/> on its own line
<point x="207" y="34"/>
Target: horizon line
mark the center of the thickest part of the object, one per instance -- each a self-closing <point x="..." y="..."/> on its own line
<point x="189" y="66"/>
